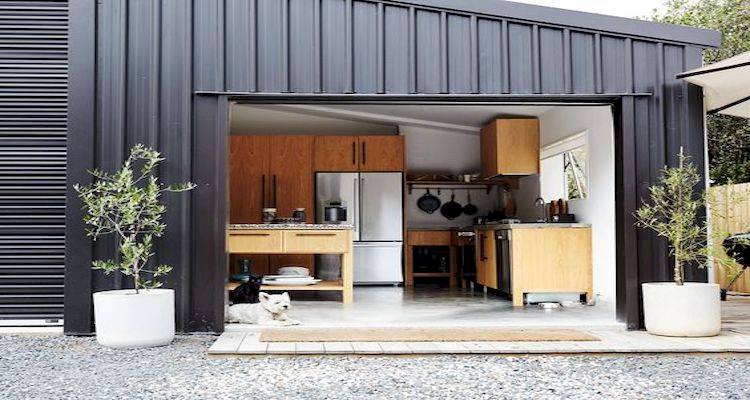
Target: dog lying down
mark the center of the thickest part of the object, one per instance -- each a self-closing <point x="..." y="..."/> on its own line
<point x="270" y="311"/>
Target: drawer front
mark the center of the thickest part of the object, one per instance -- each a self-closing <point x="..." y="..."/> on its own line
<point x="429" y="238"/>
<point x="317" y="242"/>
<point x="255" y="242"/>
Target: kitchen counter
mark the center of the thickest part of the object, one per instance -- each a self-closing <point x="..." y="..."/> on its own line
<point x="298" y="239"/>
<point x="532" y="225"/>
<point x="296" y="227"/>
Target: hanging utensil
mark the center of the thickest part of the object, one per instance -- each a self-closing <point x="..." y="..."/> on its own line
<point x="428" y="202"/>
<point x="469" y="209"/>
<point x="451" y="209"/>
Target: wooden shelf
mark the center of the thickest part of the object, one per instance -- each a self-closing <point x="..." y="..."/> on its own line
<point x="450" y="185"/>
<point x="324" y="285"/>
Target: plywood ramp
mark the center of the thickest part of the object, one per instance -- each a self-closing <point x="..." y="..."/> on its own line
<point x="297" y="334"/>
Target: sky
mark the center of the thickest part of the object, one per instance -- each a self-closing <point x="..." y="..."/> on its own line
<point x="620" y="8"/>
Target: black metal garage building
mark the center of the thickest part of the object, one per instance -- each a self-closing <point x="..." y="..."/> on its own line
<point x="162" y="72"/>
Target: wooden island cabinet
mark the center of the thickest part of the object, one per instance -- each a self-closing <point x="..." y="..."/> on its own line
<point x="518" y="259"/>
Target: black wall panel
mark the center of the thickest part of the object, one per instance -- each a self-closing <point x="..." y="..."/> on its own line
<point x="153" y="56"/>
<point x="33" y="123"/>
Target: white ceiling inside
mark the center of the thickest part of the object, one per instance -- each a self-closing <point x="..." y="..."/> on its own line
<point x="368" y="119"/>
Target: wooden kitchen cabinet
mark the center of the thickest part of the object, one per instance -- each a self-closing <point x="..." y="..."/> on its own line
<point x="271" y="171"/>
<point x="486" y="258"/>
<point x="249" y="169"/>
<point x="556" y="260"/>
<point x="510" y="146"/>
<point x="383" y="153"/>
<point x="542" y="259"/>
<point x="291" y="175"/>
<point x="336" y="153"/>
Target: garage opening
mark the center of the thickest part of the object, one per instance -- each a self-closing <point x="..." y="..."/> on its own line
<point x="459" y="215"/>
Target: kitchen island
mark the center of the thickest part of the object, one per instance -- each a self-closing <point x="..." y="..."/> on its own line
<point x="523" y="258"/>
<point x="297" y="239"/>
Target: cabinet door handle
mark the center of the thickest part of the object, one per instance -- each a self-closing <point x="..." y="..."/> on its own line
<point x="364" y="152"/>
<point x="481" y="247"/>
<point x="274" y="190"/>
<point x="315" y="234"/>
<point x="251" y="234"/>
<point x="354" y="153"/>
<point x="263" y="191"/>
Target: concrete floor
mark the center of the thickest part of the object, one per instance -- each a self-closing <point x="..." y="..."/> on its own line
<point x="434" y="306"/>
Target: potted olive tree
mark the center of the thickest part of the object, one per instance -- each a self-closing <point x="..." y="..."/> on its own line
<point x="680" y="308"/>
<point x="126" y="204"/>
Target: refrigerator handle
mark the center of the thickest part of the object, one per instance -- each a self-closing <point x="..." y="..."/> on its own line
<point x="355" y="214"/>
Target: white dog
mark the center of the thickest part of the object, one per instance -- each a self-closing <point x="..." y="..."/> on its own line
<point x="270" y="311"/>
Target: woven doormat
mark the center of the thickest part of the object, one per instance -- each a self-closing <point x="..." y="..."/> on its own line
<point x="298" y="334"/>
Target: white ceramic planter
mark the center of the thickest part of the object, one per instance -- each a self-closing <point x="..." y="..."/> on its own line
<point x="126" y="319"/>
<point x="693" y="309"/>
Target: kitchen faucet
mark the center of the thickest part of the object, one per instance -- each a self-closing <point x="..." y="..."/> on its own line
<point x="540" y="202"/>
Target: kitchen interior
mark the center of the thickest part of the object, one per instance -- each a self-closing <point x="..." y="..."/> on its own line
<point x="426" y="214"/>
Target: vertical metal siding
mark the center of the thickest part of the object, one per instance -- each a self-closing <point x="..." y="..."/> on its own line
<point x="152" y="55"/>
<point x="33" y="123"/>
<point x="396" y="44"/>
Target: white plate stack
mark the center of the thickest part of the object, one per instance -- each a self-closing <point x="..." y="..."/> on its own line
<point x="289" y="280"/>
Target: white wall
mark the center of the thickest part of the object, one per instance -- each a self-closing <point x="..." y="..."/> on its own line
<point x="430" y="151"/>
<point x="598" y="209"/>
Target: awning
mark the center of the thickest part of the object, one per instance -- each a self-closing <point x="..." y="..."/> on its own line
<point x="726" y="85"/>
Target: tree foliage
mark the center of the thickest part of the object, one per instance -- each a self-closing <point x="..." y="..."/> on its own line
<point x="728" y="137"/>
<point x="127" y="204"/>
<point x="672" y="214"/>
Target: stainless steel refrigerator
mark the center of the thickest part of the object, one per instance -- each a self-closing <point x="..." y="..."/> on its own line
<point x="374" y="202"/>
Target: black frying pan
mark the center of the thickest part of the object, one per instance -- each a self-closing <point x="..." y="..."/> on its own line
<point x="469" y="209"/>
<point x="428" y="203"/>
<point x="451" y="209"/>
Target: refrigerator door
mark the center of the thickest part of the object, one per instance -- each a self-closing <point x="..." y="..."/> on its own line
<point x="377" y="263"/>
<point x="381" y="206"/>
<point x="338" y="186"/>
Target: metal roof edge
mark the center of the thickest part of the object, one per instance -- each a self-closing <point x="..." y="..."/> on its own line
<point x="576" y="19"/>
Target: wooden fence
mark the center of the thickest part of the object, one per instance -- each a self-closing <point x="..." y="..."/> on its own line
<point x="730" y="213"/>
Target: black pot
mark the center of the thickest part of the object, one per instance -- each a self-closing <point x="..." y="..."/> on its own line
<point x="451" y="209"/>
<point x="428" y="203"/>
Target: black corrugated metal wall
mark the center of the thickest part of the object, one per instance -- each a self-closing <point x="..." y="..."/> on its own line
<point x="152" y="55"/>
<point x="33" y="107"/>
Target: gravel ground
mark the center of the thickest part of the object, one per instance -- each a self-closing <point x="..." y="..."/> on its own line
<point x="77" y="368"/>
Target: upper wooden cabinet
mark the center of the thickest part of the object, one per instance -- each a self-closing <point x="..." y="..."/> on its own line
<point x="269" y="171"/>
<point x="382" y="153"/>
<point x="336" y="153"/>
<point x="249" y="169"/>
<point x="510" y="146"/>
<point x="291" y="172"/>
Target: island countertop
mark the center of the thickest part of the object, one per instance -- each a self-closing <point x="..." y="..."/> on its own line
<point x="535" y="225"/>
<point x="296" y="227"/>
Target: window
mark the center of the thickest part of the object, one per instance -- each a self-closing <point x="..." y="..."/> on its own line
<point x="564" y="173"/>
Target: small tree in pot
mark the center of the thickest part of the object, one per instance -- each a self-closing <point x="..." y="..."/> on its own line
<point x="127" y="205"/>
<point x="679" y="308"/>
